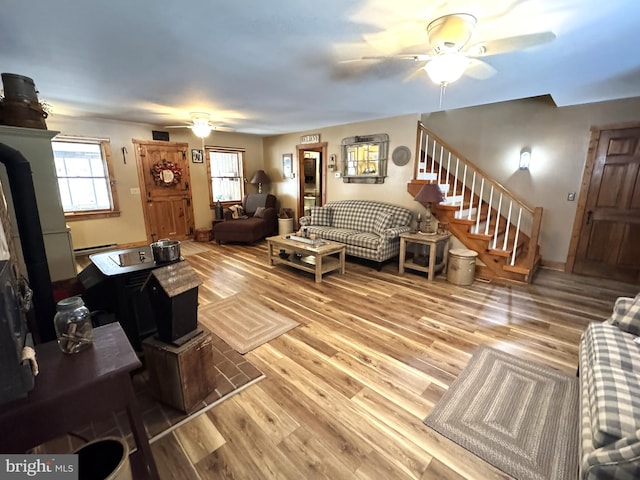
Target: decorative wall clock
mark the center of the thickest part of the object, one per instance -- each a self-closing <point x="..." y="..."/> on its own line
<point x="401" y="156"/>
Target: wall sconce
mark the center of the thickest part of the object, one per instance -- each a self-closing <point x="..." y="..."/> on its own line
<point x="332" y="162"/>
<point x="525" y="158"/>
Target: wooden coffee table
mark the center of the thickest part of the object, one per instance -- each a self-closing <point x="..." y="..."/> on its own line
<point x="313" y="259"/>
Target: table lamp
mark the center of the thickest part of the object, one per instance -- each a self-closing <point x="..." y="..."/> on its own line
<point x="259" y="178"/>
<point x="428" y="194"/>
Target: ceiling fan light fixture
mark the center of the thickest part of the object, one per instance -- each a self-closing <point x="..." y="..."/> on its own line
<point x="201" y="127"/>
<point x="446" y="68"/>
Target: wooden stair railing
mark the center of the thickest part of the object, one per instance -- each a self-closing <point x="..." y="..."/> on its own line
<point x="482" y="214"/>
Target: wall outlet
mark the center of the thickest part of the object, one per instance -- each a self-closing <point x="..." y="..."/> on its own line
<point x="134" y="191"/>
<point x="338" y="174"/>
<point x="571" y="196"/>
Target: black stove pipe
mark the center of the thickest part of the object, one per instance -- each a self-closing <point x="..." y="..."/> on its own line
<point x="31" y="239"/>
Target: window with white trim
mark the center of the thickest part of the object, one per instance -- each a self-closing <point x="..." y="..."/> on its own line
<point x="84" y="181"/>
<point x="226" y="174"/>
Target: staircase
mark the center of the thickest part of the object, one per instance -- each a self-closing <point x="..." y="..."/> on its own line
<point x="481" y="213"/>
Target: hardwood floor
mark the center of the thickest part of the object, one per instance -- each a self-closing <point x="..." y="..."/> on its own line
<point x="346" y="392"/>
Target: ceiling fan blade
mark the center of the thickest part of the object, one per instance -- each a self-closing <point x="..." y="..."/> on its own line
<point x="509" y="44"/>
<point x="479" y="69"/>
<point x="177" y="126"/>
<point x="418" y="72"/>
<point x="221" y="128"/>
<point x="373" y="67"/>
<point x="396" y="39"/>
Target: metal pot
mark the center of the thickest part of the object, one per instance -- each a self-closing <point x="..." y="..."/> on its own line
<point x="165" y="250"/>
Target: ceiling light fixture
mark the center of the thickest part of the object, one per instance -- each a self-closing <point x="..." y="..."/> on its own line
<point x="446" y="68"/>
<point x="201" y="127"/>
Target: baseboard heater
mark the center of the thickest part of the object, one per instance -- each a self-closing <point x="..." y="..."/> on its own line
<point x="78" y="252"/>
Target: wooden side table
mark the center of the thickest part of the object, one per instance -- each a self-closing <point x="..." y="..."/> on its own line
<point x="431" y="241"/>
<point x="72" y="390"/>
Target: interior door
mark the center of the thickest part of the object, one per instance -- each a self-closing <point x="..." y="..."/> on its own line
<point x="609" y="238"/>
<point x="312" y="176"/>
<point x="163" y="171"/>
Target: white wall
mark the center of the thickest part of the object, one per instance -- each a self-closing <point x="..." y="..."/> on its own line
<point x="129" y="227"/>
<point x="401" y="131"/>
<point x="492" y="136"/>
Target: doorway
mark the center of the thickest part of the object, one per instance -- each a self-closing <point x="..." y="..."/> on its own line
<point x="163" y="174"/>
<point x="311" y="178"/>
<point x="606" y="234"/>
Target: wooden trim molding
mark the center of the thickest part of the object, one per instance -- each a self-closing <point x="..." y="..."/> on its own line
<point x="582" y="197"/>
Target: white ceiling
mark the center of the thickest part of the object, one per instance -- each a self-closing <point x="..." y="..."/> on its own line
<point x="270" y="67"/>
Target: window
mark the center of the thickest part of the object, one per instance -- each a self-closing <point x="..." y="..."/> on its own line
<point x="82" y="168"/>
<point x="226" y="174"/>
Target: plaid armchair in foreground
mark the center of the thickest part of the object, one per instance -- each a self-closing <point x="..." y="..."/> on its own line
<point x="610" y="395"/>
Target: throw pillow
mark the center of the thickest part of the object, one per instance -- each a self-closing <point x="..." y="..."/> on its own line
<point x="629" y="321"/>
<point x="383" y="222"/>
<point x="259" y="212"/>
<point x="321" y="216"/>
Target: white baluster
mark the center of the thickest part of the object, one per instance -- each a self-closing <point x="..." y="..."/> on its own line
<point x="506" y="234"/>
<point x="515" y="242"/>
<point x="440" y="170"/>
<point x="498" y="214"/>
<point x="455" y="178"/>
<point x="473" y="185"/>
<point x="479" y="205"/>
<point x="464" y="181"/>
<point x="449" y="172"/>
<point x="422" y="160"/>
<point x="433" y="154"/>
<point x="486" y="227"/>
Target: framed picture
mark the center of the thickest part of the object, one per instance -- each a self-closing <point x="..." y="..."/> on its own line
<point x="196" y="156"/>
<point x="287" y="165"/>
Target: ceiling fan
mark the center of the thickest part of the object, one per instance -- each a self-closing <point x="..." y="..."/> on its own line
<point x="449" y="55"/>
<point x="201" y="125"/>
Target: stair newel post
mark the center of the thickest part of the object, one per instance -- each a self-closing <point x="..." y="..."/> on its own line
<point x="495" y="230"/>
<point x="471" y="200"/>
<point x="506" y="234"/>
<point x="464" y="181"/>
<point x="486" y="227"/>
<point x="515" y="242"/>
<point x="479" y="205"/>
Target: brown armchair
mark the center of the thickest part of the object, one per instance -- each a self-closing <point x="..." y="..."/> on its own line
<point x="252" y="228"/>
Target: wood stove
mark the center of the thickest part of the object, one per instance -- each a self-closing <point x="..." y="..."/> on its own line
<point x="113" y="289"/>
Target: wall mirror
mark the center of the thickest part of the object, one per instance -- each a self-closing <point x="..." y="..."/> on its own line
<point x="364" y="158"/>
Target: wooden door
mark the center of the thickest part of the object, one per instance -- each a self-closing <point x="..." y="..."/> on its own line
<point x="609" y="238"/>
<point x="163" y="171"/>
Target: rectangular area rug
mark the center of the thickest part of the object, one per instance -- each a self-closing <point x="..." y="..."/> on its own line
<point x="517" y="415"/>
<point x="244" y="322"/>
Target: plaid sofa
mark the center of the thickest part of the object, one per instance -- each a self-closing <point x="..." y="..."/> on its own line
<point x="369" y="229"/>
<point x="610" y="395"/>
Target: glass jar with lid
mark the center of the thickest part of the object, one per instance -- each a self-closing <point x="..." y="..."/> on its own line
<point x="73" y="325"/>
